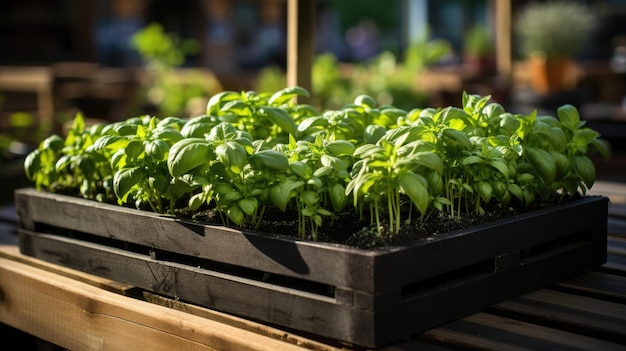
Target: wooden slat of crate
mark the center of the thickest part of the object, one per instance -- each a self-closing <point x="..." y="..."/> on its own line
<point x="78" y="316"/>
<point x="233" y="294"/>
<point x="483" y="331"/>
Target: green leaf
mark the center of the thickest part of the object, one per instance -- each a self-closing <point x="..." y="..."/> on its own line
<point x="509" y="123"/>
<point x="271" y="159"/>
<point x="280" y="118"/>
<point x="300" y="169"/>
<point x="310" y="122"/>
<point x="54" y="143"/>
<point x="283" y="192"/>
<point x="493" y="110"/>
<point x="414" y="186"/>
<point x="118" y="159"/>
<point x="602" y="147"/>
<point x="569" y="117"/>
<point x="435" y="182"/>
<point x="125" y="180"/>
<point x="114" y="142"/>
<point x="501" y="166"/>
<point x="284" y="95"/>
<point x="169" y="135"/>
<point x="450" y="114"/>
<point x="585" y="169"/>
<point x="248" y="205"/>
<point x="369" y="151"/>
<point x="196" y="201"/>
<point x="157" y="149"/>
<point x="542" y="162"/>
<point x="310" y="198"/>
<point x="32" y="163"/>
<point x="87" y="167"/>
<point x="458" y="139"/>
<point x="237" y="107"/>
<point x="134" y="149"/>
<point x="373" y="133"/>
<point x="428" y="159"/>
<point x="222" y="131"/>
<point x="471" y="159"/>
<point x="215" y="102"/>
<point x="561" y="162"/>
<point x="340" y="148"/>
<point x="63" y="162"/>
<point x="232" y="155"/>
<point x="235" y="214"/>
<point x="198" y="126"/>
<point x="188" y="154"/>
<point x="583" y="137"/>
<point x="516" y="191"/>
<point x="338" y="198"/>
<point x="365" y="100"/>
<point x="485" y="191"/>
<point x="322" y="171"/>
<point x="79" y="122"/>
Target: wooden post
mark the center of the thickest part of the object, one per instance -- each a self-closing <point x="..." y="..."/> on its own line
<point x="300" y="42"/>
<point x="503" y="37"/>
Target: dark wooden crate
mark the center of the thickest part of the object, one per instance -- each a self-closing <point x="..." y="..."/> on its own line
<point x="362" y="297"/>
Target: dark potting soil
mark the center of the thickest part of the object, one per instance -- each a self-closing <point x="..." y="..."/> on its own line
<point x="349" y="229"/>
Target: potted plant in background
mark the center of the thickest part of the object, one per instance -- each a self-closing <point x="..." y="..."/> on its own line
<point x="551" y="34"/>
<point x="478" y="53"/>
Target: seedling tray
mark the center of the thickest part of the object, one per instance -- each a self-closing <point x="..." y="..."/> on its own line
<point x="361" y="297"/>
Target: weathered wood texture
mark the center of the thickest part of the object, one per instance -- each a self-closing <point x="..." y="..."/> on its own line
<point x="363" y="297"/>
<point x="79" y="316"/>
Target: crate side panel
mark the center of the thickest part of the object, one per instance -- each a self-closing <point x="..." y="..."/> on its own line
<point x="285" y="307"/>
<point x="455" y="251"/>
<point x="329" y="264"/>
<point x="422" y="311"/>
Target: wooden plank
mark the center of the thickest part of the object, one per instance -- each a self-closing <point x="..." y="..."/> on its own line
<point x="483" y="331"/>
<point x="616" y="255"/>
<point x="78" y="316"/>
<point x="597" y="284"/>
<point x="615" y="191"/>
<point x="578" y="314"/>
<point x="245" y="324"/>
<point x="413" y="345"/>
<point x="616" y="226"/>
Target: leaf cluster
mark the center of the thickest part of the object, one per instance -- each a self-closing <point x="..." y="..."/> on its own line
<point x="253" y="151"/>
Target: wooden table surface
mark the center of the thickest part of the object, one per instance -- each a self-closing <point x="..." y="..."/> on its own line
<point x="78" y="311"/>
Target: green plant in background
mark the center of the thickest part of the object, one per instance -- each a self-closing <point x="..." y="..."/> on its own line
<point x="386" y="78"/>
<point x="171" y="91"/>
<point x="477" y="41"/>
<point x="399" y="167"/>
<point x="18" y="136"/>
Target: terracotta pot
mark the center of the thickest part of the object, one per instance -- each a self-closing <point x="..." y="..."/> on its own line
<point x="549" y="75"/>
